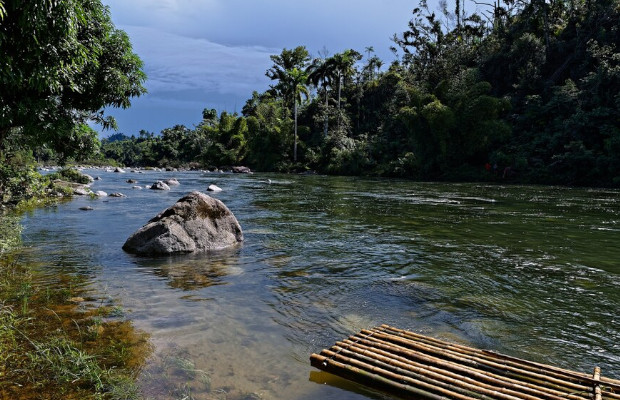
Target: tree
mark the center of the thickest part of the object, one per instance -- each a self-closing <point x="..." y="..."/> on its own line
<point x="63" y="62"/>
<point x="297" y="80"/>
<point x="282" y="64"/>
<point x="322" y="73"/>
<point x="343" y="63"/>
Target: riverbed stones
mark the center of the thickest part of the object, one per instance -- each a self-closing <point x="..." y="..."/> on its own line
<point x="214" y="188"/>
<point x="196" y="222"/>
<point x="241" y="170"/>
<point x="159" y="185"/>
<point x="171" y="182"/>
<point x="101" y="193"/>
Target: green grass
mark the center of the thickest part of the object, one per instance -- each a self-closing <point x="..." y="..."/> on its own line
<point x="51" y="348"/>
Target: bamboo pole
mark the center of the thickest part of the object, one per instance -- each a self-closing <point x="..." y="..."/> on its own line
<point x="477" y="362"/>
<point x="432" y="387"/>
<point x="597" y="388"/>
<point x="404" y="362"/>
<point x="424" y="374"/>
<point x="534" y="366"/>
<point x="463" y="351"/>
<point x="365" y="378"/>
<point x="467" y="375"/>
<point x="442" y="362"/>
<point x="459" y="368"/>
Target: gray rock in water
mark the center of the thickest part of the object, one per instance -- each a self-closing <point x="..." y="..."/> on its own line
<point x="241" y="170"/>
<point x="214" y="188"/>
<point x="196" y="222"/>
<point x="119" y="170"/>
<point x="80" y="191"/>
<point x="87" y="208"/>
<point x="101" y="193"/>
<point x="171" y="182"/>
<point x="117" y="194"/>
<point x="159" y="185"/>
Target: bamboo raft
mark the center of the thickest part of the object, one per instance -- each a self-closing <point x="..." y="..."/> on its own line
<point x="411" y="365"/>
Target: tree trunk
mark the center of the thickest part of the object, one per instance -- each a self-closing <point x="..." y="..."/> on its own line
<point x="326" y="121"/>
<point x="339" y="92"/>
<point x="295" y="143"/>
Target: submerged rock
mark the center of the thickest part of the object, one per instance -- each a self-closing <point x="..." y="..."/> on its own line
<point x="196" y="222"/>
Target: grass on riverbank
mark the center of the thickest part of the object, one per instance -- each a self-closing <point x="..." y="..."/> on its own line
<point x="55" y="344"/>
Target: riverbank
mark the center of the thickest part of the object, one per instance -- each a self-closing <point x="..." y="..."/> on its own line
<point x="53" y="336"/>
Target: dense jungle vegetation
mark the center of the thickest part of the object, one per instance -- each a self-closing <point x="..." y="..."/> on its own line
<point x="528" y="91"/>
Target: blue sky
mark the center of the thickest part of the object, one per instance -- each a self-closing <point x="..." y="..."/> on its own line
<point x="213" y="53"/>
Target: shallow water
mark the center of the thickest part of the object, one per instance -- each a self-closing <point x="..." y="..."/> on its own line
<point x="529" y="271"/>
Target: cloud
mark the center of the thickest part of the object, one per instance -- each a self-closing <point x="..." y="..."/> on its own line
<point x="214" y="53"/>
<point x="175" y="63"/>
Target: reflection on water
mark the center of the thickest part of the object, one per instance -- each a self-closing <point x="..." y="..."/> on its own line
<point x="192" y="272"/>
<point x="533" y="272"/>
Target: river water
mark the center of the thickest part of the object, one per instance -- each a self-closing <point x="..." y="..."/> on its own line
<point x="533" y="272"/>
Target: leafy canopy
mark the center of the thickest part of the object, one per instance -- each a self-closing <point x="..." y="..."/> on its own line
<point x="61" y="63"/>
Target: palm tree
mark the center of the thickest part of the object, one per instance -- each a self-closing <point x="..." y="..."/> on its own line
<point x="282" y="65"/>
<point x="343" y="65"/>
<point x="289" y="70"/>
<point x="321" y="72"/>
<point x="296" y="81"/>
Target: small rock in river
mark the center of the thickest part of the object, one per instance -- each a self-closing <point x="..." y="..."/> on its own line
<point x="159" y="185"/>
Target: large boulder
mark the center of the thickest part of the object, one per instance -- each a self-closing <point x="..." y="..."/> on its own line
<point x="196" y="222"/>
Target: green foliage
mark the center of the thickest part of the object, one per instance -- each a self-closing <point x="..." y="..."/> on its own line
<point x="19" y="179"/>
<point x="528" y="87"/>
<point x="70" y="175"/>
<point x="62" y="63"/>
<point x="10" y="233"/>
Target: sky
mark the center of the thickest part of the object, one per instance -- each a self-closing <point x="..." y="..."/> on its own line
<point x="213" y="53"/>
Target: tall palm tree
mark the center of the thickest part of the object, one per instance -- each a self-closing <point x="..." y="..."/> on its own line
<point x="282" y="65"/>
<point x="321" y="72"/>
<point x="296" y="81"/>
<point x="343" y="65"/>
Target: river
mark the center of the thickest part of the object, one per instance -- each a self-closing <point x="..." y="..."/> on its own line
<point x="530" y="271"/>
